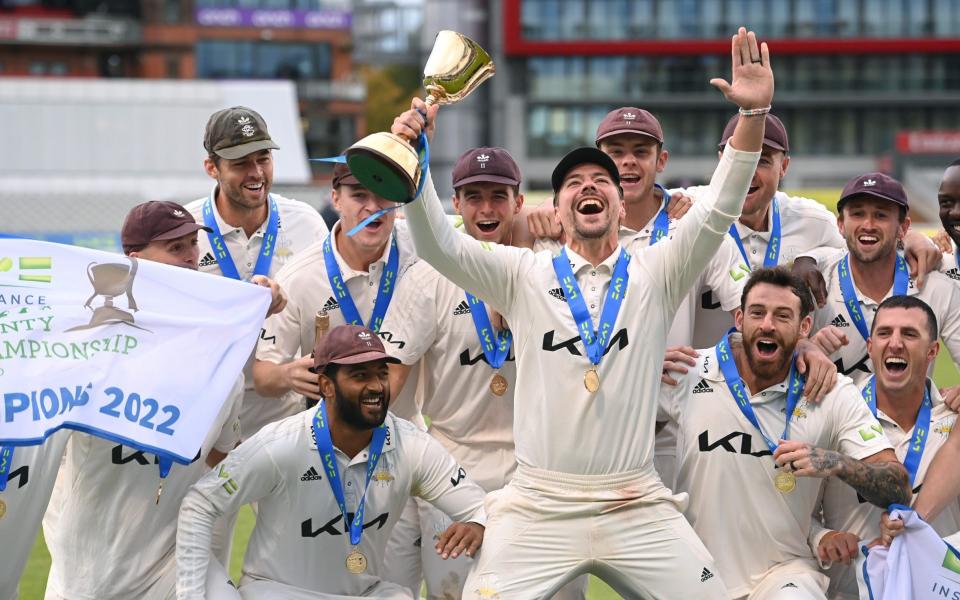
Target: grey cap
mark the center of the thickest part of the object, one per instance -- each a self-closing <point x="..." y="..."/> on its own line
<point x="236" y="132"/>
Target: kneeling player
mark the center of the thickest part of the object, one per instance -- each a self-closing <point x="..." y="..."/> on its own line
<point x="306" y="470"/>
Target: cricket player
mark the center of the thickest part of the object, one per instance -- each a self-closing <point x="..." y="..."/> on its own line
<point x="344" y="279"/>
<point x="902" y="345"/>
<point x="873" y="217"/>
<point x="330" y="483"/>
<point x="27" y="476"/>
<point x="111" y="530"/>
<point x="252" y="232"/>
<point x="469" y="372"/>
<point x="585" y="495"/>
<point x="737" y="449"/>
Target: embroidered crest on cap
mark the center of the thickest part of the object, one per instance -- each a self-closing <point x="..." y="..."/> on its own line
<point x="483" y="159"/>
<point x="178" y="213"/>
<point x="243" y="120"/>
<point x="869" y="182"/>
<point x="629" y="116"/>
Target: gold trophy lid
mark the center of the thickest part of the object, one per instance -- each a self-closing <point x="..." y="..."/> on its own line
<point x="456" y="66"/>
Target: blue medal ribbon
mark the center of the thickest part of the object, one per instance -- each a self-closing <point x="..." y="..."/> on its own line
<point x="736" y="386"/>
<point x="496" y="346"/>
<point x="321" y="431"/>
<point x="901" y="280"/>
<point x="772" y="256"/>
<point x="6" y="461"/>
<point x="594" y="342"/>
<point x="661" y="225"/>
<point x="385" y="292"/>
<point x="921" y="428"/>
<point x="222" y="253"/>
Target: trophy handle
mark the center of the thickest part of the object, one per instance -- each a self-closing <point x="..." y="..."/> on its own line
<point x="133" y="273"/>
<point x="90" y="277"/>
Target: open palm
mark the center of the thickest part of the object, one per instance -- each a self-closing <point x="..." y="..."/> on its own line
<point x="752" y="77"/>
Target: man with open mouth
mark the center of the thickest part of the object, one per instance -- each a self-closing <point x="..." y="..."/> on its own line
<point x="330" y="484"/>
<point x="873" y="217"/>
<point x="903" y="346"/>
<point x="747" y="437"/>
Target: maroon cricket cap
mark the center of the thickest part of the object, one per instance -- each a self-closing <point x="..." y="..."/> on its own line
<point x="629" y="119"/>
<point x="774" y="133"/>
<point x="349" y="345"/>
<point x="876" y="185"/>
<point x="581" y="156"/>
<point x="493" y="165"/>
<point x="156" y="220"/>
<point x="343" y="176"/>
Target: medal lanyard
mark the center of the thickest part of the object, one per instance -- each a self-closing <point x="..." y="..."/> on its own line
<point x="772" y="257"/>
<point x="496" y="346"/>
<point x="736" y="386"/>
<point x="384" y="293"/>
<point x="661" y="225"/>
<point x="321" y="431"/>
<point x="222" y="253"/>
<point x="900" y="281"/>
<point x="594" y="342"/>
<point x="6" y="460"/>
<point x="921" y="428"/>
<point x="423" y="154"/>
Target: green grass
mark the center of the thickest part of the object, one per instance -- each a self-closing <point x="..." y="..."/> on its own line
<point x="34" y="580"/>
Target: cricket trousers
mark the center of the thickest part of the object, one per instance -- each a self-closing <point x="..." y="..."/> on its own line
<point x="545" y="528"/>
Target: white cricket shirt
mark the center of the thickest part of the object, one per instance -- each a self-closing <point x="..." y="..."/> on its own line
<point x="728" y="471"/>
<point x="845" y="510"/>
<point x="108" y="538"/>
<point x="300" y="538"/>
<point x="292" y="332"/>
<point x="299" y="226"/>
<point x="940" y="292"/>
<point x="430" y="320"/>
<point x="613" y="428"/>
<point x="804" y="225"/>
<point x="29" y="483"/>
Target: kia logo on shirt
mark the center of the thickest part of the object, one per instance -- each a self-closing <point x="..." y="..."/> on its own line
<point x="746" y="444"/>
<point x="336" y="526"/>
<point x="620" y="339"/>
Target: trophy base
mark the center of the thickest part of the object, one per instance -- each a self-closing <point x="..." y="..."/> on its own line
<point x="107" y="315"/>
<point x="386" y="165"/>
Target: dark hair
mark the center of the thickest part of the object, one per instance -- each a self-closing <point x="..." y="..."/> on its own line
<point x="129" y="249"/>
<point x="780" y="277"/>
<point x="955" y="163"/>
<point x="909" y="302"/>
<point x="843" y="203"/>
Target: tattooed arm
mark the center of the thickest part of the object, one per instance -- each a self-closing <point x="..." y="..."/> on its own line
<point x="879" y="478"/>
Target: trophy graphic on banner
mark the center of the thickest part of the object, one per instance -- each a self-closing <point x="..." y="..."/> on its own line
<point x="111" y="280"/>
<point x="385" y="163"/>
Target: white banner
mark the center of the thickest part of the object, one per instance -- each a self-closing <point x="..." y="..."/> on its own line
<point x="135" y="351"/>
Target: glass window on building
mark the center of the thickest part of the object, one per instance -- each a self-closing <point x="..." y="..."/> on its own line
<point x="263" y="60"/>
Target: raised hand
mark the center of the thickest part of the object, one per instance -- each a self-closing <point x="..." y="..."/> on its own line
<point x="410" y="123"/>
<point x="752" y="77"/>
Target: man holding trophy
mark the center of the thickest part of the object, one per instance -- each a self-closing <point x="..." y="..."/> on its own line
<point x="596" y="505"/>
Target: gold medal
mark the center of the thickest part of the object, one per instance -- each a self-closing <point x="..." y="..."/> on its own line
<point x="3" y="508"/>
<point x="356" y="562"/>
<point x="785" y="482"/>
<point x="591" y="380"/>
<point x="498" y="385"/>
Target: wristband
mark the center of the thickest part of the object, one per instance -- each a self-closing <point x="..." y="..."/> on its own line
<point x="754" y="112"/>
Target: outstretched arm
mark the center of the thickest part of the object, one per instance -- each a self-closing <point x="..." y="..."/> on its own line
<point x="701" y="232"/>
<point x="487" y="270"/>
<point x="941" y="486"/>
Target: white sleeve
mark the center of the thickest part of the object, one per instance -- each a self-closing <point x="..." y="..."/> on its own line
<point x="443" y="483"/>
<point x="950" y="320"/>
<point x="248" y="473"/>
<point x="858" y="434"/>
<point x="726" y="275"/>
<point x="490" y="271"/>
<point x="672" y="398"/>
<point x="702" y="230"/>
<point x="410" y="326"/>
<point x="279" y="340"/>
<point x="230" y="433"/>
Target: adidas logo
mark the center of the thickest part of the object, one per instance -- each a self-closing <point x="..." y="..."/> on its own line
<point x="331" y="305"/>
<point x="705" y="575"/>
<point x="702" y="387"/>
<point x="558" y="294"/>
<point x="629" y="116"/>
<point x="840" y="322"/>
<point x="462" y="309"/>
<point x="311" y="475"/>
<point x="953" y="274"/>
<point x="207" y="260"/>
<point x="869" y="182"/>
